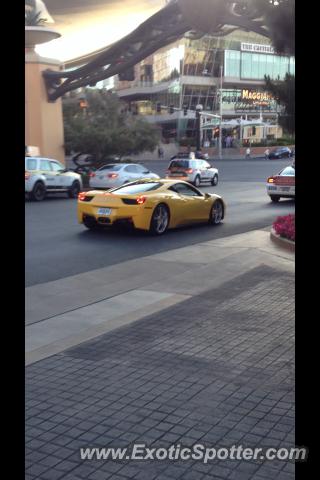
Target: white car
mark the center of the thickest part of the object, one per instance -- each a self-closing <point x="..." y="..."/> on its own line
<point x="45" y="175"/>
<point x="194" y="171"/>
<point x="115" y="175"/>
<point x="282" y="184"/>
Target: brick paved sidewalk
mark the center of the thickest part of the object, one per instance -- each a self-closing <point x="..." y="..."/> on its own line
<point x="215" y="369"/>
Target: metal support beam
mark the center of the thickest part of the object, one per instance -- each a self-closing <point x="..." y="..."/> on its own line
<point x="161" y="29"/>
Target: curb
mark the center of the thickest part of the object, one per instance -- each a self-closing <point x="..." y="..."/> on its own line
<point x="282" y="242"/>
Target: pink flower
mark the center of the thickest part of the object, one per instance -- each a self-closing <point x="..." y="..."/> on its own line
<point x="285" y="227"/>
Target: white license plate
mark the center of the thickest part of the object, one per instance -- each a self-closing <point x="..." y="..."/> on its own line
<point x="104" y="211"/>
<point x="285" y="189"/>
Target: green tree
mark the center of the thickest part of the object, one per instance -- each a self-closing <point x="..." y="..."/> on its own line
<point x="103" y="128"/>
<point x="284" y="93"/>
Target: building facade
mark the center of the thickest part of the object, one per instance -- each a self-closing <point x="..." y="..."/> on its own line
<point x="167" y="87"/>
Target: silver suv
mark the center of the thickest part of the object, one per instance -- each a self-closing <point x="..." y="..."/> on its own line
<point x="45" y="175"/>
<point x="194" y="171"/>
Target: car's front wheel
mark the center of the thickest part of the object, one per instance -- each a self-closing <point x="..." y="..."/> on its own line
<point x="274" y="198"/>
<point x="38" y="192"/>
<point x="214" y="181"/>
<point x="160" y="220"/>
<point x="74" y="190"/>
<point x="216" y="213"/>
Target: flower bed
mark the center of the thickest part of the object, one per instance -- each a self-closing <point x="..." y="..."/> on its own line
<point x="285" y="227"/>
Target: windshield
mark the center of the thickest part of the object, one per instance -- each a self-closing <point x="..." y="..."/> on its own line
<point x="179" y="164"/>
<point x="288" y="171"/>
<point x="137" y="188"/>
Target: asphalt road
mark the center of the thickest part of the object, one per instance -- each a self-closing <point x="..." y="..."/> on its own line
<point x="57" y="246"/>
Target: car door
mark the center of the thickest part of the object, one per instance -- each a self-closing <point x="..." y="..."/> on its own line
<point x="195" y="208"/>
<point x="61" y="180"/>
<point x="207" y="171"/>
<point x="48" y="173"/>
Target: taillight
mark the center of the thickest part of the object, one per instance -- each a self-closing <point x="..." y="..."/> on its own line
<point x="140" y="200"/>
<point x="81" y="196"/>
<point x="270" y="180"/>
<point x="112" y="175"/>
<point x="91" y="174"/>
<point x="26" y="175"/>
<point x="189" y="170"/>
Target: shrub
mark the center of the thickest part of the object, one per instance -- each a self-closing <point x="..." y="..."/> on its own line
<point x="285" y="227"/>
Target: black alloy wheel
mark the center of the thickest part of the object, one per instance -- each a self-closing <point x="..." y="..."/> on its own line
<point x="39" y="192"/>
<point x="214" y="181"/>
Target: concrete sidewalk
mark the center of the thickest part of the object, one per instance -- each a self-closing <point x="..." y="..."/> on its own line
<point x="204" y="355"/>
<point x="68" y="311"/>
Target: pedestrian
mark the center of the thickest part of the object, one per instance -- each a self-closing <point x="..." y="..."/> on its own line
<point x="160" y="152"/>
<point x="248" y="152"/>
<point x="266" y="154"/>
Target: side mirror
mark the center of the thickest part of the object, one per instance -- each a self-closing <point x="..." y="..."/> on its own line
<point x="207" y="195"/>
<point x="146" y="171"/>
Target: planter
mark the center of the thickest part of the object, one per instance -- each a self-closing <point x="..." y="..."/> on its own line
<point x="282" y="242"/>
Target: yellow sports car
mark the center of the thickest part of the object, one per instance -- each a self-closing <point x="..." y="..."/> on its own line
<point x="149" y="204"/>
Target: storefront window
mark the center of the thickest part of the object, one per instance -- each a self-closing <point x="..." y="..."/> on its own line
<point x="257" y="65"/>
<point x="232" y="63"/>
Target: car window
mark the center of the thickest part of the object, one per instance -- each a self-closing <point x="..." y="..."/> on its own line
<point x="137" y="188"/>
<point x="179" y="164"/>
<point x="185" y="189"/>
<point x="288" y="172"/>
<point x="31" y="164"/>
<point x="131" y="169"/>
<point x="57" y="167"/>
<point x="45" y="165"/>
<point x="141" y="168"/>
<point x="205" y="164"/>
<point x="112" y="167"/>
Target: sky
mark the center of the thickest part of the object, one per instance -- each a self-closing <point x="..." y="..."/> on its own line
<point x="88" y="25"/>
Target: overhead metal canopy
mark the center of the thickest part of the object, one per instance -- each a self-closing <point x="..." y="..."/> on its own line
<point x="161" y="29"/>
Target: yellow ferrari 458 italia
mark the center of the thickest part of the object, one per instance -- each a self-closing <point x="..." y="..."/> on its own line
<point x="149" y="204"/>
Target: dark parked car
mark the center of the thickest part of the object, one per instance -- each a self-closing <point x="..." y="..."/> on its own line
<point x="281" y="152"/>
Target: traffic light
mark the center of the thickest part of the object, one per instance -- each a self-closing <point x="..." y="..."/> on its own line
<point x="171" y="109"/>
<point x="158" y="107"/>
<point x="185" y="110"/>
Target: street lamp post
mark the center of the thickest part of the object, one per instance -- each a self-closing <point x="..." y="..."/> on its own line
<point x="198" y="127"/>
<point x="220" y="126"/>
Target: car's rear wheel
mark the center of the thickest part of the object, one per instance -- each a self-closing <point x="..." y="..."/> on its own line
<point x="274" y="198"/>
<point x="38" y="192"/>
<point x="160" y="220"/>
<point x="90" y="223"/>
<point x="216" y="213"/>
<point x="197" y="181"/>
<point x="214" y="181"/>
<point x="74" y="190"/>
